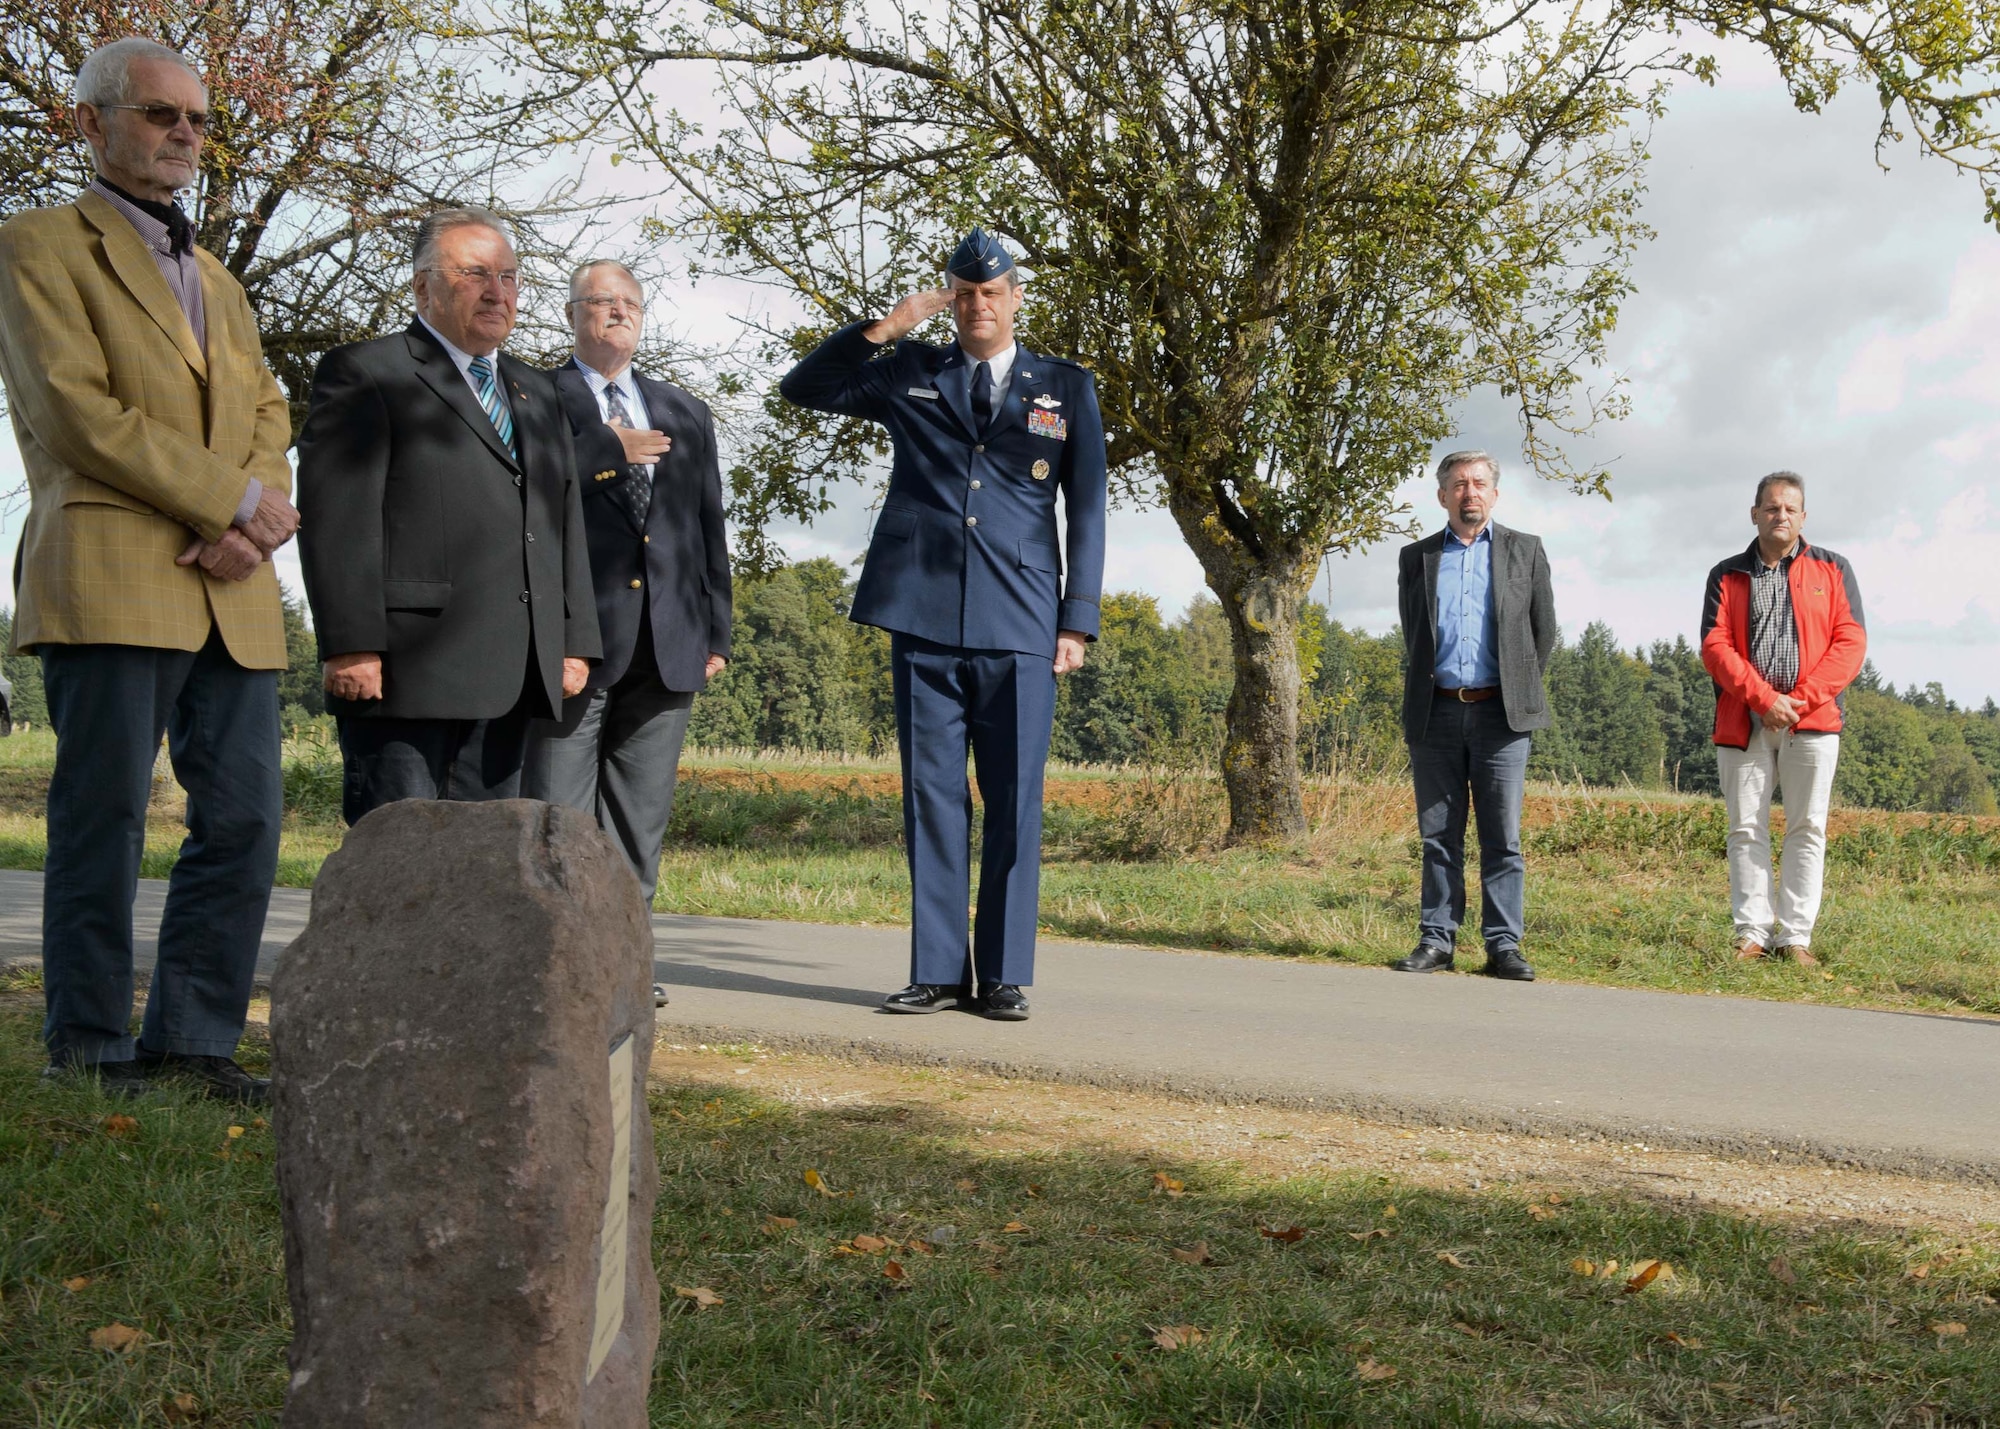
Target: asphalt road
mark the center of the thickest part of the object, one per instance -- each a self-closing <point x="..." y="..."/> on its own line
<point x="1892" y="1091"/>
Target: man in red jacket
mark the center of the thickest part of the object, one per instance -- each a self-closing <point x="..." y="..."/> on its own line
<point x="1782" y="636"/>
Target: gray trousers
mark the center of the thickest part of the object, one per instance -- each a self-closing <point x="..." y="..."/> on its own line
<point x="614" y="754"/>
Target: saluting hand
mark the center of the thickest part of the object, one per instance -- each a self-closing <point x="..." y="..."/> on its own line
<point x="908" y="315"/>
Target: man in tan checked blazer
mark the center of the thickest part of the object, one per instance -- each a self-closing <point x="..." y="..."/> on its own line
<point x="154" y="438"/>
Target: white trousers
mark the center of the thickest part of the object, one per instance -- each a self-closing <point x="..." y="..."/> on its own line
<point x="1798" y="768"/>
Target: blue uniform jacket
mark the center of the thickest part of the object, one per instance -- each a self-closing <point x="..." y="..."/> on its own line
<point x="965" y="551"/>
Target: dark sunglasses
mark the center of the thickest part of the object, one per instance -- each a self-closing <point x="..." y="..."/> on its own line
<point x="166" y="116"/>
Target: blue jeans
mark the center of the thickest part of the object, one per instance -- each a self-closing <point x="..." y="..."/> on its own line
<point x="110" y="704"/>
<point x="1469" y="750"/>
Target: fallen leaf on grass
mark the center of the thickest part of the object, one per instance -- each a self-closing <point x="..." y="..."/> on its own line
<point x="919" y="1247"/>
<point x="1373" y="1369"/>
<point x="1781" y="1271"/>
<point x="818" y="1183"/>
<point x="1388" y="1213"/>
<point x="1583" y="1267"/>
<point x="234" y="1132"/>
<point x="894" y="1269"/>
<point x="1163" y="1182"/>
<point x="1645" y="1273"/>
<point x="1177" y="1337"/>
<point x="966" y="1183"/>
<point x="1290" y="1235"/>
<point x="870" y="1243"/>
<point x="1465" y="1329"/>
<point x="179" y="1407"/>
<point x="1034" y="1190"/>
<point x="76" y="1283"/>
<point x="1379" y="1233"/>
<point x="1555" y="1198"/>
<point x="1453" y="1261"/>
<point x="1946" y="1329"/>
<point x="117" y="1338"/>
<point x="703" y="1297"/>
<point x="119" y="1125"/>
<point x="1013" y="1228"/>
<point x="1196" y="1254"/>
<point x="1541" y="1212"/>
<point x="774" y="1224"/>
<point x="1686" y="1342"/>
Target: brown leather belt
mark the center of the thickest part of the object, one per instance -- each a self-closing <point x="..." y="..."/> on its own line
<point x="1467" y="696"/>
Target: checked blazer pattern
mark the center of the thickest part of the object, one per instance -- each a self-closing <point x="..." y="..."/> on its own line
<point x="134" y="439"/>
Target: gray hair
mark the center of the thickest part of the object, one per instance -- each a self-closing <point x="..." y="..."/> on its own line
<point x="105" y="76"/>
<point x="577" y="273"/>
<point x="1454" y="460"/>
<point x="423" y="253"/>
<point x="1780" y="478"/>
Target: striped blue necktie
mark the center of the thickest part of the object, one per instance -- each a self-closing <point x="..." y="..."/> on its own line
<point x="489" y="398"/>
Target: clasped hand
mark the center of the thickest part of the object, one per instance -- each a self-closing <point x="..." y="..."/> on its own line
<point x="1783" y="714"/>
<point x="240" y="550"/>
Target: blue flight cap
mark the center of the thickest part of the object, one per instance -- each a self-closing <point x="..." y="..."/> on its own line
<point x="979" y="258"/>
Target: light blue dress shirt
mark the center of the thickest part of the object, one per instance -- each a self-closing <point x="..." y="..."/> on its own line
<point x="1468" y="655"/>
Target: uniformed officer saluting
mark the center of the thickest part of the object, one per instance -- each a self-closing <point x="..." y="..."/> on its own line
<point x="966" y="574"/>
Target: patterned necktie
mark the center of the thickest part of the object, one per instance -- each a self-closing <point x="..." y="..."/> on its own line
<point x="982" y="395"/>
<point x="496" y="410"/>
<point x="637" y="488"/>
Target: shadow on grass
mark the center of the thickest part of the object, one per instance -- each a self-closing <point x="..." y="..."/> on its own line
<point x="1030" y="1286"/>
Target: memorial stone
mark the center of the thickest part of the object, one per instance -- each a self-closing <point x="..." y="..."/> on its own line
<point x="459" y="1049"/>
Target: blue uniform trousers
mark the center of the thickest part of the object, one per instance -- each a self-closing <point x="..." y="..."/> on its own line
<point x="1001" y="704"/>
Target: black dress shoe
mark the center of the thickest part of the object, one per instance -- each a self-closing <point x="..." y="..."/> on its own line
<point x="1509" y="964"/>
<point x="659" y="994"/>
<point x="1426" y="959"/>
<point x="216" y="1077"/>
<point x="1003" y="1002"/>
<point x="113" y="1079"/>
<point x="923" y="997"/>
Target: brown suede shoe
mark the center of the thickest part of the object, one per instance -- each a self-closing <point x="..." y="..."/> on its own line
<point x="1747" y="951"/>
<point x="1798" y="953"/>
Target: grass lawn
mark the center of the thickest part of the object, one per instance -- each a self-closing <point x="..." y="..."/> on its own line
<point x="1623" y="888"/>
<point x="959" y="1270"/>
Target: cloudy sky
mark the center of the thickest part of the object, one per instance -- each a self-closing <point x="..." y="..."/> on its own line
<point x="1800" y="308"/>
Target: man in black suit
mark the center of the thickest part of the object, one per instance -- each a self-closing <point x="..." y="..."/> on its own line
<point x="1479" y="625"/>
<point x="652" y="506"/>
<point x="446" y="569"/>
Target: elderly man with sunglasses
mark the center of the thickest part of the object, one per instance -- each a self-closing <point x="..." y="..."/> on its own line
<point x="154" y="440"/>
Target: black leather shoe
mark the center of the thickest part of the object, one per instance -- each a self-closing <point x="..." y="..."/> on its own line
<point x="659" y="994"/>
<point x="1509" y="964"/>
<point x="1426" y="959"/>
<point x="217" y="1077"/>
<point x="923" y="997"/>
<point x="113" y="1079"/>
<point x="1003" y="1002"/>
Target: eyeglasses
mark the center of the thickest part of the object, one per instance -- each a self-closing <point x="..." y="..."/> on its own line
<point x="167" y="116"/>
<point x="605" y="304"/>
<point x="480" y="277"/>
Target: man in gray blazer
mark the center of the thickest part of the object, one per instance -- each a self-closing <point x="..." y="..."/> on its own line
<point x="1479" y="625"/>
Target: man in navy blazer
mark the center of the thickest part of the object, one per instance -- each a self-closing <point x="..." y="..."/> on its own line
<point x="966" y="573"/>
<point x="652" y="513"/>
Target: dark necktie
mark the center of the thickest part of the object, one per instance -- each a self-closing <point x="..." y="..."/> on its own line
<point x="637" y="489"/>
<point x="982" y="396"/>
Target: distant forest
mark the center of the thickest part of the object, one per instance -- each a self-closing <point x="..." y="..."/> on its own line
<point x="806" y="678"/>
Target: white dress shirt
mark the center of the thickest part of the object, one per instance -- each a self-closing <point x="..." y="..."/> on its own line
<point x="463" y="360"/>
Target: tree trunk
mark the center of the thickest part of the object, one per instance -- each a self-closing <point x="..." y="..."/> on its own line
<point x="1260" y="753"/>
